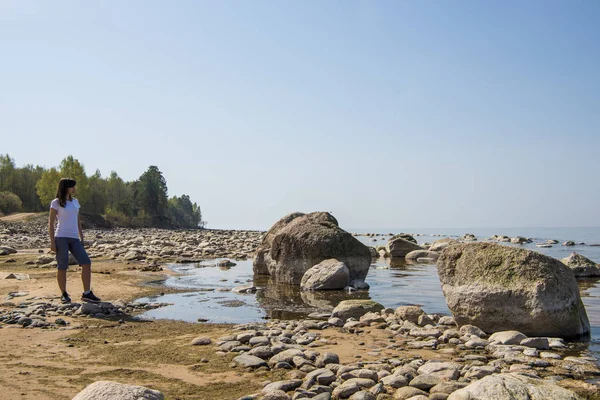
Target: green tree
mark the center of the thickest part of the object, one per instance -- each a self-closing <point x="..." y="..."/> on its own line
<point x="150" y="193"/>
<point x="97" y="196"/>
<point x="7" y="169"/>
<point x="47" y="185"/>
<point x="9" y="203"/>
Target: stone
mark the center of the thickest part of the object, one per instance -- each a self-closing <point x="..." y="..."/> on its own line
<point x="415" y="255"/>
<point x="507" y="337"/>
<point x="443" y="369"/>
<point x="363" y="395"/>
<point x="201" y="341"/>
<point x="425" y="381"/>
<point x="472" y="331"/>
<point x="400" y="247"/>
<point x="355" y="308"/>
<point x="351" y="386"/>
<point x="327" y="275"/>
<point x="407" y="392"/>
<point x="513" y="386"/>
<point x="327" y="358"/>
<point x="286" y="356"/>
<point x="300" y="241"/>
<point x="539" y="343"/>
<point x="395" y="381"/>
<point x="249" y="361"/>
<point x="409" y="313"/>
<point x="285" y="386"/>
<point x="441" y="244"/>
<point x="105" y="390"/>
<point x="447" y="387"/>
<point x="276" y="395"/>
<point x="90" y="308"/>
<point x="499" y="288"/>
<point x="480" y="372"/>
<point x="581" y="266"/>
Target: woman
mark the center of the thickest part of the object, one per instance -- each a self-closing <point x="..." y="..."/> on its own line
<point x="66" y="238"/>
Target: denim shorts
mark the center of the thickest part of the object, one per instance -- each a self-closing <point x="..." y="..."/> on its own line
<point x="66" y="244"/>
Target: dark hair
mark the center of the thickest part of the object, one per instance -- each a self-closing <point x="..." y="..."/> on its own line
<point x="61" y="192"/>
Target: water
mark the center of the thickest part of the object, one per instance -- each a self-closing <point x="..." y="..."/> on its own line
<point x="392" y="284"/>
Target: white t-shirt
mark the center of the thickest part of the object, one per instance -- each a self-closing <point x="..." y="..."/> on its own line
<point x="67" y="218"/>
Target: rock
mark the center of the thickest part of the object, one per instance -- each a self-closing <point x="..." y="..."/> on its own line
<point x="44" y="260"/>
<point x="399" y="247"/>
<point x="407" y="392"/>
<point x="581" y="266"/>
<point x="539" y="343"/>
<point x="480" y="372"/>
<point x="441" y="244"/>
<point x="363" y="396"/>
<point x="447" y="320"/>
<point x="327" y="275"/>
<point x="416" y="255"/>
<point x="5" y="250"/>
<point x="201" y="341"/>
<point x="355" y="308"/>
<point x="569" y="243"/>
<point x="249" y="361"/>
<point x="409" y="313"/>
<point x="327" y="358"/>
<point x="442" y="369"/>
<point x="351" y="386"/>
<point x="511" y="386"/>
<point x="404" y="236"/>
<point x="395" y="381"/>
<point x="285" y="386"/>
<point x="472" y="330"/>
<point x="425" y="381"/>
<point x="447" y="387"/>
<point x="105" y="390"/>
<point x="90" y="308"/>
<point x="299" y="241"/>
<point x="520" y="240"/>
<point x="286" y="356"/>
<point x="501" y="288"/>
<point x="276" y="395"/>
<point x="226" y="263"/>
<point x="507" y="337"/>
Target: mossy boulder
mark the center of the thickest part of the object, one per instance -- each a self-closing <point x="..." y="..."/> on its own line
<point x="500" y="288"/>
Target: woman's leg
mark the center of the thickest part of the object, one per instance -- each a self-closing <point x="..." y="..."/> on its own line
<point x="86" y="277"/>
<point x="62" y="258"/>
<point x="61" y="277"/>
<point x="84" y="261"/>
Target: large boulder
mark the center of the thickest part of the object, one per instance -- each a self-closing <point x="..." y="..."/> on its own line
<point x="581" y="266"/>
<point x="499" y="288"/>
<point x="327" y="275"/>
<point x="400" y="247"/>
<point x="513" y="386"/>
<point x="300" y="241"/>
<point x="108" y="390"/>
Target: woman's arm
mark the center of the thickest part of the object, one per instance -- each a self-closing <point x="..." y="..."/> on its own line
<point x="51" y="223"/>
<point x="80" y="228"/>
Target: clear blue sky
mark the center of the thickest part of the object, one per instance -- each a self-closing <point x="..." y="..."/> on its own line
<point x="387" y="113"/>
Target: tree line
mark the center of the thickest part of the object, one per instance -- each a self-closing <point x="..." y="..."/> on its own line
<point x="142" y="202"/>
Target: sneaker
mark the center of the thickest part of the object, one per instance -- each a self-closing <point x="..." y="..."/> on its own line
<point x="65" y="298"/>
<point x="90" y="297"/>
